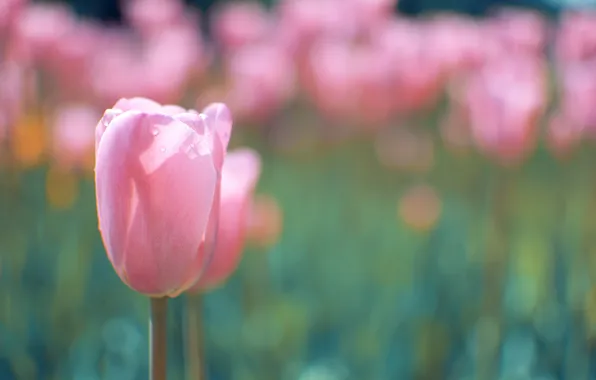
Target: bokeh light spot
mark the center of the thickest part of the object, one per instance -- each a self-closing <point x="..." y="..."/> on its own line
<point x="29" y="141"/>
<point x="420" y="207"/>
<point x="62" y="188"/>
<point x="265" y="221"/>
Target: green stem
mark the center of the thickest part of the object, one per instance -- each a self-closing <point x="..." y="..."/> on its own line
<point x="195" y="355"/>
<point x="158" y="336"/>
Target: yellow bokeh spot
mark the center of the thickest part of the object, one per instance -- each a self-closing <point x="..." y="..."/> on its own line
<point x="265" y="222"/>
<point x="420" y="208"/>
<point x="29" y="140"/>
<point x="62" y="188"/>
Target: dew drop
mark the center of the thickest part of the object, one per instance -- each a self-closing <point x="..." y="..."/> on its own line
<point x="191" y="151"/>
<point x="155" y="132"/>
<point x="162" y="149"/>
<point x="108" y="116"/>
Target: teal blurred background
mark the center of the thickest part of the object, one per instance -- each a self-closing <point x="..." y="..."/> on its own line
<point x="455" y="268"/>
<point x="501" y="282"/>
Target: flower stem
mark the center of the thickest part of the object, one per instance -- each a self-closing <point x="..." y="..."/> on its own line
<point x="195" y="356"/>
<point x="158" y="336"/>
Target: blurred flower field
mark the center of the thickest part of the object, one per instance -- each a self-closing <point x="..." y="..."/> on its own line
<point x="426" y="208"/>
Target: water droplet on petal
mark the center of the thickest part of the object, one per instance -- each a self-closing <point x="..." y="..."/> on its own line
<point x="162" y="149"/>
<point x="155" y="131"/>
<point x="108" y="116"/>
<point x="191" y="151"/>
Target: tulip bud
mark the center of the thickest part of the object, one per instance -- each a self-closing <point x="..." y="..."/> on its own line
<point x="156" y="177"/>
<point x="240" y="173"/>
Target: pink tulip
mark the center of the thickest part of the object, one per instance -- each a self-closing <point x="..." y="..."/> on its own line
<point x="457" y="44"/>
<point x="239" y="24"/>
<point x="519" y="31"/>
<point x="68" y="63"/>
<point x="73" y="134"/>
<point x="301" y="22"/>
<point x="40" y="29"/>
<point x="576" y="37"/>
<point x="370" y="12"/>
<point x="360" y="77"/>
<point x="414" y="71"/>
<point x="170" y="59"/>
<point x="263" y="67"/>
<point x="329" y="71"/>
<point x="505" y="101"/>
<point x="240" y="173"/>
<point x="9" y="10"/>
<point x="158" y="67"/>
<point x="151" y="17"/>
<point x="115" y="69"/>
<point x="578" y="94"/>
<point x="156" y="176"/>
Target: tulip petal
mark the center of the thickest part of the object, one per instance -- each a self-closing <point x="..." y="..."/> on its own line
<point x="107" y="118"/>
<point x="170" y="109"/>
<point x="155" y="186"/>
<point x="220" y="119"/>
<point x="200" y="123"/>
<point x="139" y="104"/>
<point x="240" y="173"/>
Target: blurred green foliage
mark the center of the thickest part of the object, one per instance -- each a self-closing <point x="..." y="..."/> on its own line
<point x="498" y="286"/>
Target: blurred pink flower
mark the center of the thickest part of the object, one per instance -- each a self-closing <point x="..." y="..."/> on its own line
<point x="40" y="28"/>
<point x="361" y="78"/>
<point x="375" y="82"/>
<point x="372" y="12"/>
<point x="151" y="17"/>
<point x="576" y="37"/>
<point x="578" y="94"/>
<point x="457" y="44"/>
<point x="9" y="12"/>
<point x="236" y="24"/>
<point x="414" y="75"/>
<point x="262" y="69"/>
<point x="73" y="134"/>
<point x="329" y="70"/>
<point x="171" y="58"/>
<point x="115" y="67"/>
<point x="158" y="67"/>
<point x="239" y="177"/>
<point x="302" y="22"/>
<point x="519" y="31"/>
<point x="505" y="100"/>
<point x="69" y="63"/>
